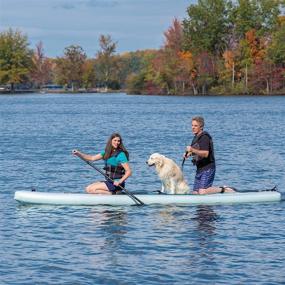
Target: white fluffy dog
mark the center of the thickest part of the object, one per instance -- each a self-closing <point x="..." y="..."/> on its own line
<point x="169" y="173"/>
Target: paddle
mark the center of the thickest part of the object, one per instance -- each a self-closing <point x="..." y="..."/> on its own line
<point x="184" y="158"/>
<point x="132" y="196"/>
<point x="275" y="188"/>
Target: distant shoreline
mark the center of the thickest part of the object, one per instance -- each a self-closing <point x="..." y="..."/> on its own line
<point x="33" y="91"/>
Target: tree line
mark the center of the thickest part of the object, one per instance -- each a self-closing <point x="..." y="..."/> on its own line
<point x="220" y="47"/>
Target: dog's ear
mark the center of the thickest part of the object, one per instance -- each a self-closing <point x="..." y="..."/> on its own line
<point x="160" y="161"/>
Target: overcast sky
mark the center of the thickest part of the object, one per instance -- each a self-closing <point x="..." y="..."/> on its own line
<point x="133" y="24"/>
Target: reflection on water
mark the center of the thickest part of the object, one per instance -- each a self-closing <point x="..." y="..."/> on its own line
<point x="206" y="218"/>
<point x="206" y="243"/>
<point x="110" y="227"/>
<point x="114" y="224"/>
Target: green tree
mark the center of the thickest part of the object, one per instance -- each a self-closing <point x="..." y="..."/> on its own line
<point x="129" y="63"/>
<point x="105" y="61"/>
<point x="260" y="15"/>
<point x="15" y="57"/>
<point x="276" y="49"/>
<point x="69" y="68"/>
<point x="143" y="75"/>
<point x="89" y="74"/>
<point x="135" y="83"/>
<point x="207" y="27"/>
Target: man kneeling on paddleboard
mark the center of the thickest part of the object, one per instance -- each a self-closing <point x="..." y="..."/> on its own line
<point x="217" y="189"/>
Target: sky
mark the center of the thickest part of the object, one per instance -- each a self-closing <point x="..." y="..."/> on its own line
<point x="133" y="24"/>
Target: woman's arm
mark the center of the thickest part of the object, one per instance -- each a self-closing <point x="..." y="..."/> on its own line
<point x="128" y="173"/>
<point x="87" y="156"/>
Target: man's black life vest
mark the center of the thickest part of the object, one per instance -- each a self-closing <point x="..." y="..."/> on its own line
<point x="114" y="172"/>
<point x="203" y="162"/>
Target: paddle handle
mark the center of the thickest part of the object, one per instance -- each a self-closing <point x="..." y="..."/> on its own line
<point x="186" y="153"/>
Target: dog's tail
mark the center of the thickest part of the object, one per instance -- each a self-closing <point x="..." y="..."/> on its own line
<point x="183" y="188"/>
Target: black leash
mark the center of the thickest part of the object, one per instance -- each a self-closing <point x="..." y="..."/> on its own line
<point x="275" y="188"/>
<point x="132" y="196"/>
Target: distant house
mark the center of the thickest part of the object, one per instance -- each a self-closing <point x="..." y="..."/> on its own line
<point x="52" y="88"/>
<point x="5" y="88"/>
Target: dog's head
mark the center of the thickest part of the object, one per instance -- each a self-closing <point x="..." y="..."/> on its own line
<point x="155" y="159"/>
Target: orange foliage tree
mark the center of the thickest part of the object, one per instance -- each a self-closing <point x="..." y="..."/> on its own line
<point x="256" y="45"/>
<point x="41" y="71"/>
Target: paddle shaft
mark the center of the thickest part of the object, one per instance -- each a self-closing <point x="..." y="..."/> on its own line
<point x="132" y="196"/>
<point x="184" y="158"/>
<point x="182" y="164"/>
<point x="275" y="188"/>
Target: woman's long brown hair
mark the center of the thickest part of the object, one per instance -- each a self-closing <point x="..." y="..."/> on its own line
<point x="109" y="149"/>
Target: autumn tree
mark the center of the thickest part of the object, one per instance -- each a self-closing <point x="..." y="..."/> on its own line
<point x="249" y="51"/>
<point x="160" y="69"/>
<point x="261" y="77"/>
<point x="174" y="37"/>
<point x="166" y="64"/>
<point x="161" y="74"/>
<point x="168" y="59"/>
<point x="206" y="71"/>
<point x="41" y="72"/>
<point x="228" y="71"/>
<point x="15" y="57"/>
<point x="187" y="72"/>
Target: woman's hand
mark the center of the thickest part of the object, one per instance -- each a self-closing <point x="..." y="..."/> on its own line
<point x="76" y="152"/>
<point x="117" y="183"/>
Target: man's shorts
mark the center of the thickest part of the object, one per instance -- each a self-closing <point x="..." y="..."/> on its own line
<point x="204" y="179"/>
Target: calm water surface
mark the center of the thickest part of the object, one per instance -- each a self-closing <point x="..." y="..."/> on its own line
<point x="226" y="244"/>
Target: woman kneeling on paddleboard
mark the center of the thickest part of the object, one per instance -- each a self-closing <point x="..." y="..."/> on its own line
<point x="117" y="166"/>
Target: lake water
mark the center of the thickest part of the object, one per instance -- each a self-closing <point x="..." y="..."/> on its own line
<point x="225" y="244"/>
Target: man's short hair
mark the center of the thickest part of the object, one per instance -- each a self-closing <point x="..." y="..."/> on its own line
<point x="200" y="120"/>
